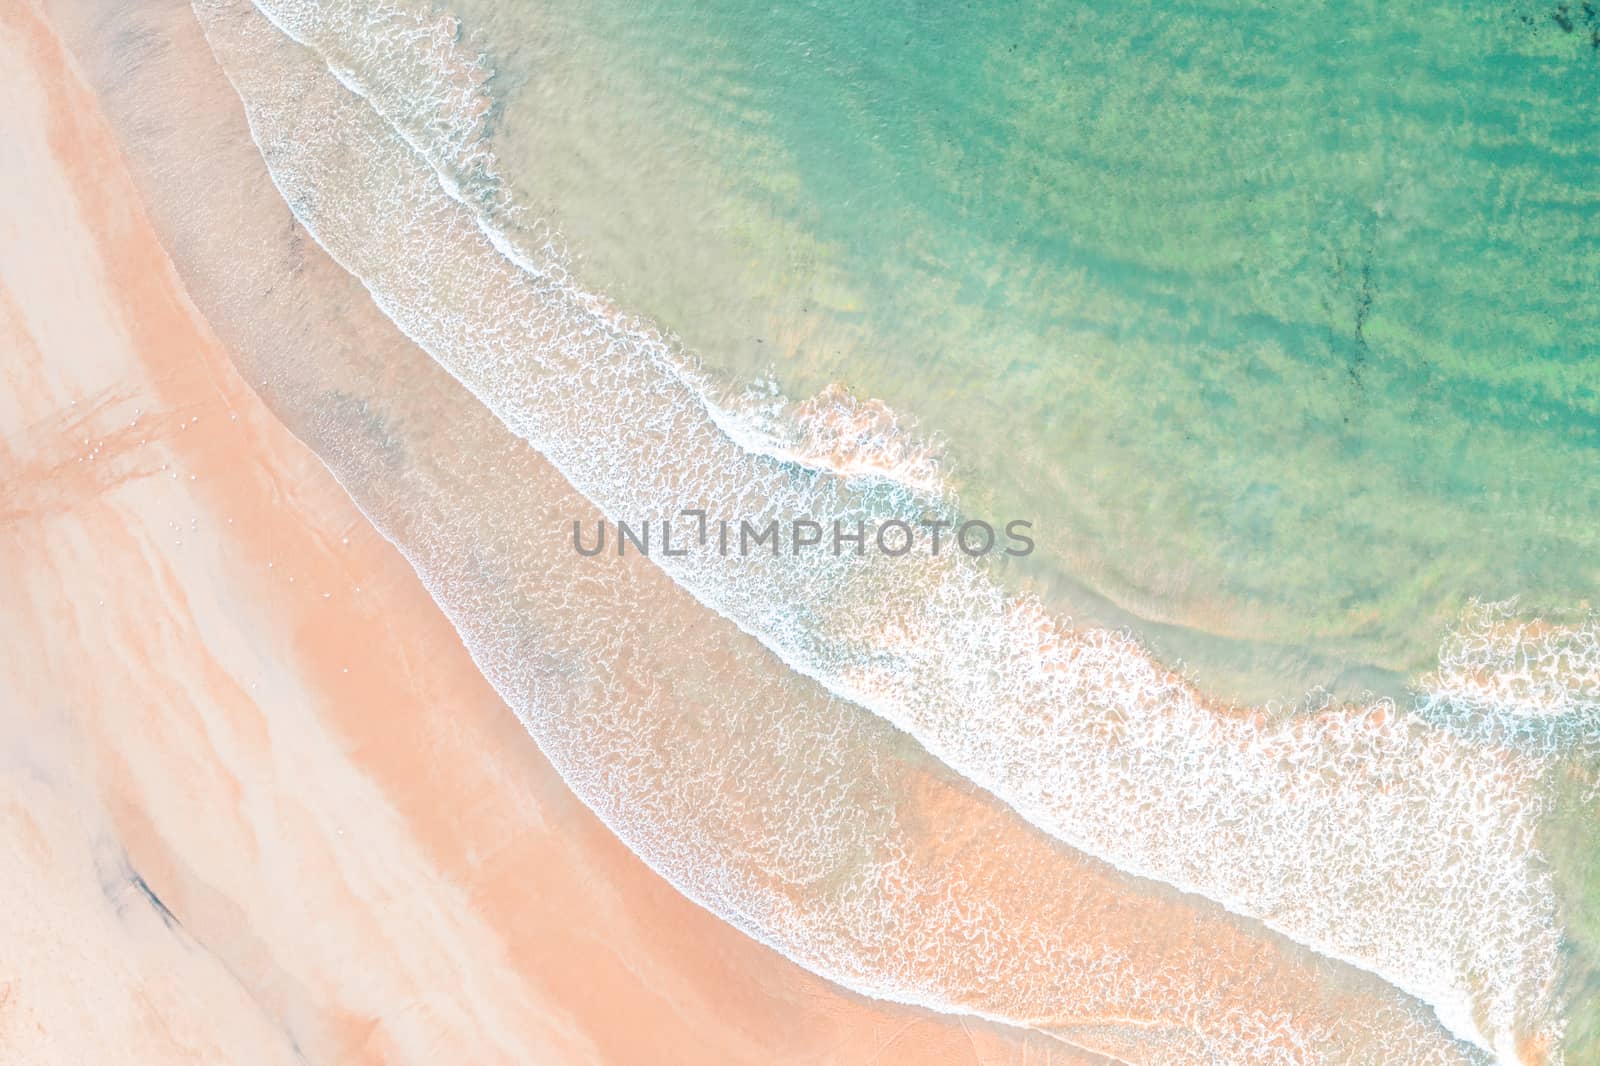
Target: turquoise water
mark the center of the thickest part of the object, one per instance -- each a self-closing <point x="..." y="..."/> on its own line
<point x="1281" y="323"/>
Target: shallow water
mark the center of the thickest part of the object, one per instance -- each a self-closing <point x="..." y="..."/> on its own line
<point x="1280" y="322"/>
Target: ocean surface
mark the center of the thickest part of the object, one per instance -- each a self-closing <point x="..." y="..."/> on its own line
<point x="1279" y="326"/>
<point x="1330" y="269"/>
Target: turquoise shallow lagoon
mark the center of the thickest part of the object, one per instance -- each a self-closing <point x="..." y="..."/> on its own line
<point x="1281" y="322"/>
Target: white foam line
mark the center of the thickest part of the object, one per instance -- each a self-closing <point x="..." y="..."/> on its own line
<point x="483" y="661"/>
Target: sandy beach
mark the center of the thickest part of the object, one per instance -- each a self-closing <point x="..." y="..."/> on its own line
<point x="262" y="806"/>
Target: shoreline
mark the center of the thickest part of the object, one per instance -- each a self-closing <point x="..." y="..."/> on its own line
<point x="399" y="759"/>
<point x="244" y="714"/>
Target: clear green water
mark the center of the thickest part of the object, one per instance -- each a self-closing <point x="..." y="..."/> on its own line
<point x="1283" y="323"/>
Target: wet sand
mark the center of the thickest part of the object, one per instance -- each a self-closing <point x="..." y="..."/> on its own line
<point x="262" y="806"/>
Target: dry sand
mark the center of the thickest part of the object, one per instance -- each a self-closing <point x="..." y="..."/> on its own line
<point x="257" y="802"/>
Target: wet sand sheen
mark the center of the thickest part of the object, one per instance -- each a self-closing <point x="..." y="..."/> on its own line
<point x="288" y="827"/>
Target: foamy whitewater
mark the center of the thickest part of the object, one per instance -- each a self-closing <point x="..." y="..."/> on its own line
<point x="1395" y="838"/>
